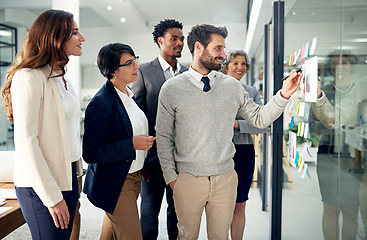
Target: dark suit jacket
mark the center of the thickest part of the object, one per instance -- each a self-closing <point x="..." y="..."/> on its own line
<point x="146" y="90"/>
<point x="107" y="147"/>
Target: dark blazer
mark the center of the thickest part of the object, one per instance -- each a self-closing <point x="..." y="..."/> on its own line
<point x="107" y="147"/>
<point x="146" y="90"/>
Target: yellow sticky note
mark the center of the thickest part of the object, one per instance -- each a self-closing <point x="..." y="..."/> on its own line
<point x="290" y="59"/>
<point x="299" y="159"/>
<point x="299" y="128"/>
<point x="297" y="108"/>
<point x="301" y="166"/>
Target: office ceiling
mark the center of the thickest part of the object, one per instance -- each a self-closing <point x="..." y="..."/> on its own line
<point x="303" y="20"/>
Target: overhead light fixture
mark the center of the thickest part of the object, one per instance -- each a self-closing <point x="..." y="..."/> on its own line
<point x="5" y="33"/>
<point x="254" y="17"/>
<point x="123" y="20"/>
<point x="109" y="8"/>
<point x="360" y="40"/>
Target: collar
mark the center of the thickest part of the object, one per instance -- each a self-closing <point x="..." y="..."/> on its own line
<point x="197" y="76"/>
<point x="123" y="95"/>
<point x="165" y="65"/>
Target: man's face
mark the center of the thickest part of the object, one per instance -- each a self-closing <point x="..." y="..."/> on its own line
<point x="212" y="56"/>
<point x="171" y="44"/>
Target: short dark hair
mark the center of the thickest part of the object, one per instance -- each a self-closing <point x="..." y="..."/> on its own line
<point x="352" y="59"/>
<point x="161" y="28"/>
<point x="109" y="56"/>
<point x="202" y="34"/>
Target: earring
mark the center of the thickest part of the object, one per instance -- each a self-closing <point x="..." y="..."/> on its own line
<point x="115" y="76"/>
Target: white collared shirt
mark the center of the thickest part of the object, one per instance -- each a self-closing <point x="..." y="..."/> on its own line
<point x="167" y="69"/>
<point x="71" y="106"/>
<point x="196" y="78"/>
<point x="139" y="124"/>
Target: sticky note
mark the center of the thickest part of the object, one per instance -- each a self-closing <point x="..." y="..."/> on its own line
<point x="299" y="128"/>
<point x="313" y="49"/>
<point x="301" y="166"/>
<point x="307" y="50"/>
<point x="308" y="173"/>
<point x="290" y="60"/>
<point x="297" y="108"/>
<point x="304" y="150"/>
<point x="296" y="159"/>
<point x="305" y="169"/>
<point x="296" y="56"/>
<point x="303" y="51"/>
<point x="292" y="122"/>
<point x="302" y="129"/>
<point x="307" y="131"/>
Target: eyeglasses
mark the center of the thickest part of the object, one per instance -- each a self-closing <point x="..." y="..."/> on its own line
<point x="130" y="62"/>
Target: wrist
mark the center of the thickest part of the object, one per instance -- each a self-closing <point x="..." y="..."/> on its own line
<point x="284" y="96"/>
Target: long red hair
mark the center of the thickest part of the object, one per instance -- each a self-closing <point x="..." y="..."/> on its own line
<point x="43" y="45"/>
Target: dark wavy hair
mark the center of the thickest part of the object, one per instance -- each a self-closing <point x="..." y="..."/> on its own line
<point x="202" y="34"/>
<point x="43" y="45"/>
<point x="109" y="56"/>
<point x="161" y="28"/>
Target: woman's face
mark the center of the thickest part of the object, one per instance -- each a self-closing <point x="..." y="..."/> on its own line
<point x="73" y="46"/>
<point x="237" y="67"/>
<point x="128" y="72"/>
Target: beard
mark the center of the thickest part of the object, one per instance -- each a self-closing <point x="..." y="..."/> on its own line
<point x="209" y="62"/>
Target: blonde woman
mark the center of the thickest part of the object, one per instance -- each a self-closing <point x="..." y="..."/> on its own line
<point x="236" y="65"/>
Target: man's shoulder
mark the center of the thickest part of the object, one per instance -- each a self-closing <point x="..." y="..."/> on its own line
<point x="183" y="68"/>
<point x="176" y="80"/>
<point x="146" y="66"/>
<point x="227" y="79"/>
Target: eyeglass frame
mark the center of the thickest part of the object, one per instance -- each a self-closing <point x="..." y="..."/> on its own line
<point x="130" y="62"/>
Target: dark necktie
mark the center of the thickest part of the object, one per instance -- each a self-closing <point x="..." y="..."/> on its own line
<point x="205" y="80"/>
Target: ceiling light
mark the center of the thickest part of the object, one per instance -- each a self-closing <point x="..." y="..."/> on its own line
<point x="109" y="8"/>
<point x="360" y="40"/>
<point x="123" y="20"/>
<point x="5" y="33"/>
<point x="365" y="61"/>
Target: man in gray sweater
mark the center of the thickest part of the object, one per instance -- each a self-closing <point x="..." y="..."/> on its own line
<point x="194" y="127"/>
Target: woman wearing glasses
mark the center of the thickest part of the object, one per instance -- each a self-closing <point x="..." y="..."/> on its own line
<point x="115" y="144"/>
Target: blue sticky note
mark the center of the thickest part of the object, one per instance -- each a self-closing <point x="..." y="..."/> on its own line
<point x="297" y="157"/>
<point x="292" y="122"/>
<point x="308" y="173"/>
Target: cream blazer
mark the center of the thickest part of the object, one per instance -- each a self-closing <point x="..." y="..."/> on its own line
<point x="42" y="152"/>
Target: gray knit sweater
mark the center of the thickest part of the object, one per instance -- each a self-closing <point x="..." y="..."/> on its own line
<point x="195" y="128"/>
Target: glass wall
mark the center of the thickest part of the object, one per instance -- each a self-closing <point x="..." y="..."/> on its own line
<point x="326" y="148"/>
<point x="8" y="40"/>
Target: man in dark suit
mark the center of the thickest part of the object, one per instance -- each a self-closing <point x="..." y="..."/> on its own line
<point x="170" y="40"/>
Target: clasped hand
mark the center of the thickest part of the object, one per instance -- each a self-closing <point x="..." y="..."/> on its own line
<point x="143" y="142"/>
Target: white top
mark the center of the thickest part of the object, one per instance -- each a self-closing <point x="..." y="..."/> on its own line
<point x="71" y="106"/>
<point x="195" y="78"/>
<point x="167" y="69"/>
<point x="139" y="123"/>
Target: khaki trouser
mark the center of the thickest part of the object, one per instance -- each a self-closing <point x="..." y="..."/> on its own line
<point x="217" y="194"/>
<point x="124" y="222"/>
